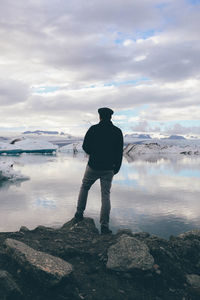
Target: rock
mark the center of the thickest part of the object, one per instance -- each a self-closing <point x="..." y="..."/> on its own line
<point x="141" y="235"/>
<point x="83" y="228"/>
<point x="128" y="254"/>
<point x="124" y="231"/>
<point x="193" y="280"/>
<point x="24" y="229"/>
<point x="44" y="229"/>
<point x="47" y="269"/>
<point x="195" y="233"/>
<point x="8" y="287"/>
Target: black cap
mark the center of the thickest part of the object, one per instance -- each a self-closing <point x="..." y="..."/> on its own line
<point x="105" y="112"/>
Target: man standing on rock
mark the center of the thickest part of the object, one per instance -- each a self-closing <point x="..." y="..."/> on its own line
<point x="103" y="143"/>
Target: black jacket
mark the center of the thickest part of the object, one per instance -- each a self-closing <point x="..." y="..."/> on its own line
<point x="104" y="144"/>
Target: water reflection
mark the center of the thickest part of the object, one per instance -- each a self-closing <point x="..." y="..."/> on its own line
<point x="5" y="184"/>
<point x="159" y="195"/>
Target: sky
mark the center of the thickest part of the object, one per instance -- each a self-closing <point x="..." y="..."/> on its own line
<point x="62" y="60"/>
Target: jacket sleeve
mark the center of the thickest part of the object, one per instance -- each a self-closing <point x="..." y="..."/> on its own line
<point x="88" y="141"/>
<point x="119" y="153"/>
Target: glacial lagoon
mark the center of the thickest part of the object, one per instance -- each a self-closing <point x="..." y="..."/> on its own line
<point x="159" y="195"/>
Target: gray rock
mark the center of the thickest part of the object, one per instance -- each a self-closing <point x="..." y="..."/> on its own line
<point x="193" y="280"/>
<point x="84" y="228"/>
<point x="44" y="229"/>
<point x="141" y="235"/>
<point x="43" y="267"/>
<point x="128" y="254"/>
<point x="8" y="287"/>
<point x="24" y="229"/>
<point x="195" y="233"/>
<point x="124" y="231"/>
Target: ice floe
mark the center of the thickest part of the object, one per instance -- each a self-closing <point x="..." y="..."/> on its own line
<point x="35" y="144"/>
<point x="74" y="147"/>
<point x="163" y="148"/>
<point x="18" y="146"/>
<point x="7" y="172"/>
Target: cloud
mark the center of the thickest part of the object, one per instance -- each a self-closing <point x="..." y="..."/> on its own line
<point x="179" y="129"/>
<point x="141" y="126"/>
<point x="165" y="128"/>
<point x="12" y="92"/>
<point x="144" y="126"/>
<point x="80" y="47"/>
<point x="69" y="36"/>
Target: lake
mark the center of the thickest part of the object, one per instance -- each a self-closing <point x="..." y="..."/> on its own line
<point x="159" y="195"/>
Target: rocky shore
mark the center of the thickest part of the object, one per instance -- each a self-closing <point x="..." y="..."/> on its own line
<point x="76" y="262"/>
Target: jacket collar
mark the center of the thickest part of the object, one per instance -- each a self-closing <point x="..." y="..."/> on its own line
<point x="105" y="122"/>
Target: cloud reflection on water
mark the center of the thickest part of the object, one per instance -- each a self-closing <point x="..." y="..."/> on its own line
<point x="160" y="196"/>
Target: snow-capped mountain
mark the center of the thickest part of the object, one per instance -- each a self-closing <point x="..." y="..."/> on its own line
<point x="176" y="137"/>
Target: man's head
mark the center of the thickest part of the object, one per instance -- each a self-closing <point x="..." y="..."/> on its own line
<point x="105" y="113"/>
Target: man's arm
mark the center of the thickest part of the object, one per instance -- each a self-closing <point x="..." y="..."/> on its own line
<point x="119" y="153"/>
<point x="87" y="142"/>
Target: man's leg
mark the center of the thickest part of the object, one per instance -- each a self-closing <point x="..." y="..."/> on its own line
<point x="106" y="181"/>
<point x="89" y="178"/>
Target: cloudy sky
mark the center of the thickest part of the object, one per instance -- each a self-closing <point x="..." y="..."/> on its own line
<point x="62" y="60"/>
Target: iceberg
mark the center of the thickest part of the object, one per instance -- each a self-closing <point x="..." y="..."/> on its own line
<point x="161" y="148"/>
<point x="6" y="148"/>
<point x="36" y="146"/>
<point x="19" y="146"/>
<point x="74" y="147"/>
<point x="7" y="172"/>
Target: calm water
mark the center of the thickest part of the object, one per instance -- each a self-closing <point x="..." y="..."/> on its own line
<point x="158" y="195"/>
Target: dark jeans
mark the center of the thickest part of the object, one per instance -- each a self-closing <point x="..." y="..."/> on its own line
<point x="89" y="178"/>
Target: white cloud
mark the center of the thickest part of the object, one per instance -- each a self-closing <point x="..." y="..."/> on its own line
<point x="140" y="58"/>
<point x="119" y="117"/>
<point x="12" y="92"/>
<point x="134" y="119"/>
<point x="144" y="126"/>
<point x="179" y="129"/>
<point x="77" y="45"/>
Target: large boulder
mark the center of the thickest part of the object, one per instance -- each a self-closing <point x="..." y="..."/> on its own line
<point x="85" y="228"/>
<point x="44" y="267"/>
<point x="80" y="237"/>
<point x="128" y="254"/>
<point x="8" y="287"/>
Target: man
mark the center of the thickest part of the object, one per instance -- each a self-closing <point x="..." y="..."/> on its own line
<point x="103" y="143"/>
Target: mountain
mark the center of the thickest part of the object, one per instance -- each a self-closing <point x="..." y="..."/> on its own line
<point x="41" y="132"/>
<point x="2" y="138"/>
<point x="176" y="137"/>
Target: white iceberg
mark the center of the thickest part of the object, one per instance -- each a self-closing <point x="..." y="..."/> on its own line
<point x="19" y="146"/>
<point x="35" y="144"/>
<point x="7" y="172"/>
<point x="74" y="147"/>
<point x="156" y="148"/>
<point x="8" y="146"/>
